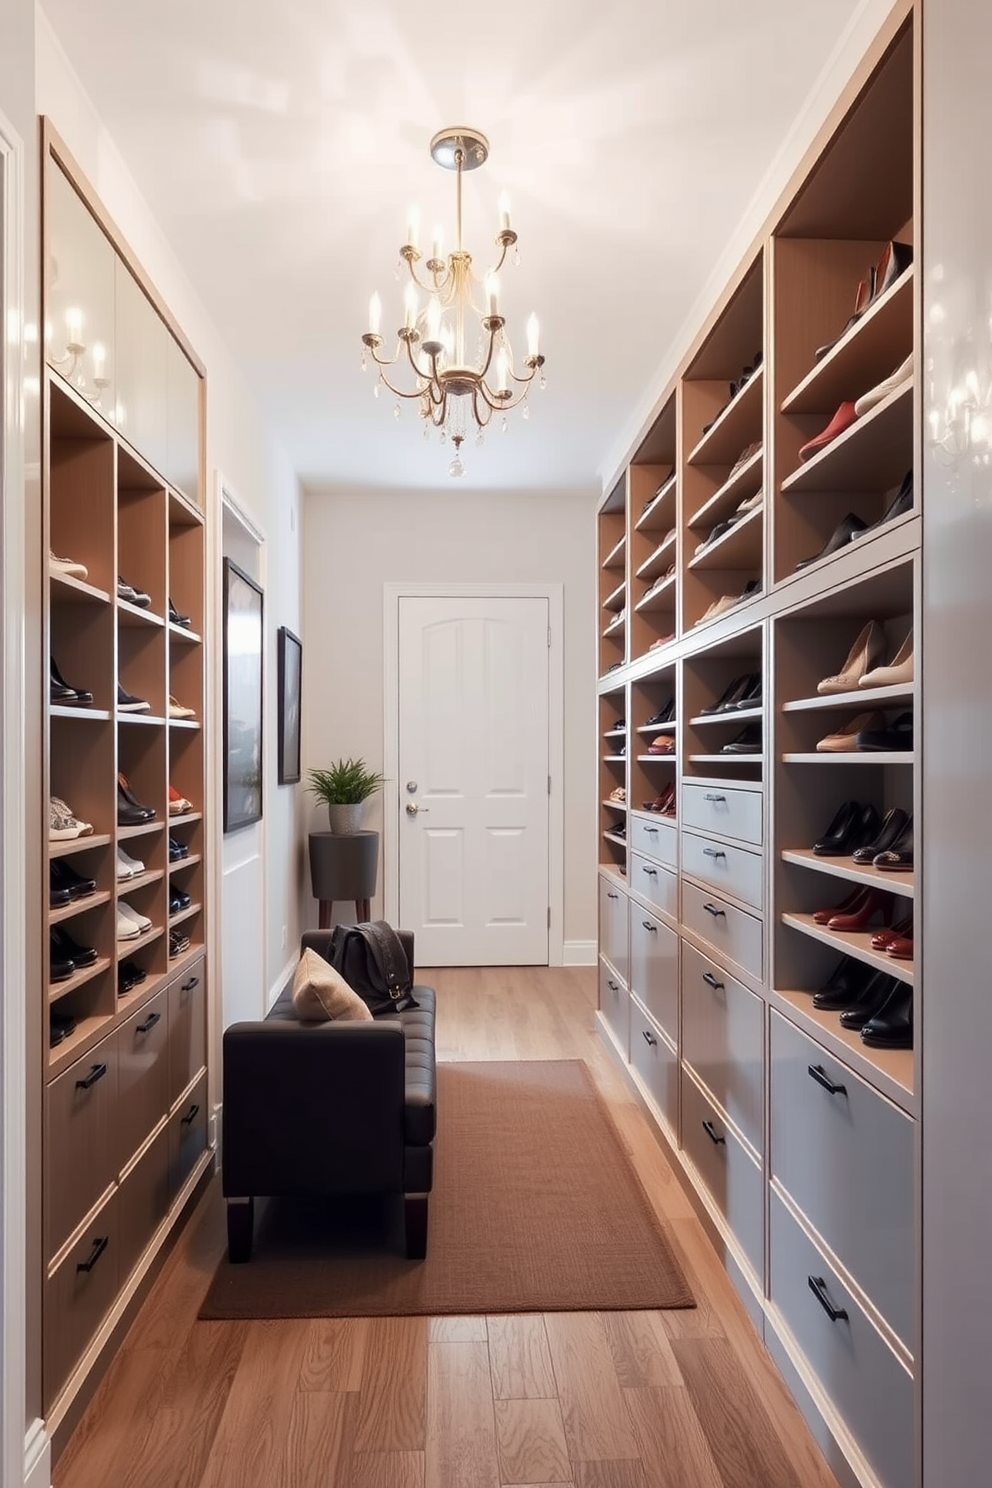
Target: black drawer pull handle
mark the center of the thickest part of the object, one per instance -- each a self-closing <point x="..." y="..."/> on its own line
<point x="711" y="981"/>
<point x="149" y="1023"/>
<point x="190" y="1115"/>
<point x="818" y="1287"/>
<point x="711" y="909"/>
<point x="715" y="799"/>
<point x="717" y="1141"/>
<point x="651" y="831"/>
<point x="612" y="985"/>
<point x="188" y="986"/>
<point x="713" y="852"/>
<point x="611" y="895"/>
<point x="818" y="1073"/>
<point x="648" y="926"/>
<point x="649" y="1038"/>
<point x="99" y="1246"/>
<point x="96" y="1073"/>
<point x="649" y="872"/>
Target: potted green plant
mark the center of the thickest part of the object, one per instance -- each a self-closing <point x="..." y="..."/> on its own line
<point x="344" y="787"/>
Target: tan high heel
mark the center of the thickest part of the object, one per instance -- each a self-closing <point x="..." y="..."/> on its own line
<point x="899" y="671"/>
<point x="866" y="653"/>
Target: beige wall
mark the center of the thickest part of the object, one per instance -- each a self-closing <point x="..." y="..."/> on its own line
<point x="354" y="544"/>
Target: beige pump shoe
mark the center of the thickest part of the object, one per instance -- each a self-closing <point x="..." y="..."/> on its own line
<point x="845" y="740"/>
<point x="866" y="653"/>
<point x="899" y="671"/>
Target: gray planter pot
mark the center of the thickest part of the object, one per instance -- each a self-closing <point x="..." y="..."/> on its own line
<point x="345" y="821"/>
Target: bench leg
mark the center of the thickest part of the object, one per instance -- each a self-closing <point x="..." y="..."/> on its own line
<point x="240" y="1229"/>
<point x="415" y="1217"/>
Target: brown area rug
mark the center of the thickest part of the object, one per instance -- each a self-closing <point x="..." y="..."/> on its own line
<point x="536" y="1208"/>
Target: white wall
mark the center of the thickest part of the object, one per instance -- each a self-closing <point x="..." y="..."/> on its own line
<point x="357" y="542"/>
<point x="254" y="467"/>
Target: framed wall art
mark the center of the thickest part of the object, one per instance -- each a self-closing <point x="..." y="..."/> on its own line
<point x="242" y="698"/>
<point x="290" y="674"/>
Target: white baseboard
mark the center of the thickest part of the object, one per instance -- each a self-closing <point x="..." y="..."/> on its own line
<point x="37" y="1457"/>
<point x="284" y="976"/>
<point x="579" y="953"/>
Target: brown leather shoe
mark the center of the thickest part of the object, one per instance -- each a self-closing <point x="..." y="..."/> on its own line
<point x="860" y="918"/>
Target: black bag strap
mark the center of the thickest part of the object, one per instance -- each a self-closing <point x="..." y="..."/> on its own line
<point x="390" y="957"/>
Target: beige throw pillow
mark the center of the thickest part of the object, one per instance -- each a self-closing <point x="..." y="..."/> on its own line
<point x="321" y="994"/>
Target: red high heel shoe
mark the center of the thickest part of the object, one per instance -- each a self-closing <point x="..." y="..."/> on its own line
<point x="860" y="917"/>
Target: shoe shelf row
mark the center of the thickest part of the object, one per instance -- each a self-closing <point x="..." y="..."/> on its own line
<point x="757" y="902"/>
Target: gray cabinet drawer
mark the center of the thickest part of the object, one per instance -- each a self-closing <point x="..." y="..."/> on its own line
<point x="723" y="1040"/>
<point x="657" y="838"/>
<point x="655" y="1060"/>
<point x="846" y="1160"/>
<point x="143" y="1200"/>
<point x="729" y="1173"/>
<point x="78" y="1296"/>
<point x="654" y="883"/>
<point x="613" y="926"/>
<point x="187" y="1027"/>
<point x="80" y="1139"/>
<point x="732" y="870"/>
<point x="654" y="968"/>
<point x="614" y="1004"/>
<point x="724" y="809"/>
<point x="142" y="1075"/>
<point x="187" y="1133"/>
<point x="870" y="1388"/>
<point x="736" y="935"/>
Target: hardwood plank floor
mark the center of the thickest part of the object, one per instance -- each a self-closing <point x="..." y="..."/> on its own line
<point x="579" y="1400"/>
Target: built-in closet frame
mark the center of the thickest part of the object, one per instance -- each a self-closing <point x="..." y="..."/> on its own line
<point x="730" y="905"/>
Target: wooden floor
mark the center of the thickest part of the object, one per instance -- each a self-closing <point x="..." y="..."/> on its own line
<point x="590" y="1400"/>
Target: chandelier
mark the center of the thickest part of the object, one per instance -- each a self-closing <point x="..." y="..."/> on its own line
<point x="455" y="344"/>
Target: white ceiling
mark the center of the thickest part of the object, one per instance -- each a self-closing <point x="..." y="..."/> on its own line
<point x="280" y="145"/>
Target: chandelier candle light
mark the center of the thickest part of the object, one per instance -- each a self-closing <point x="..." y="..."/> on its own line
<point x="447" y="385"/>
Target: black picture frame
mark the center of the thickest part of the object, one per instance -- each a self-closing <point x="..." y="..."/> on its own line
<point x="243" y="650"/>
<point x="289" y="665"/>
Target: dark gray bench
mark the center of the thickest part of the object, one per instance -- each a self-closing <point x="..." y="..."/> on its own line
<point x="330" y="1108"/>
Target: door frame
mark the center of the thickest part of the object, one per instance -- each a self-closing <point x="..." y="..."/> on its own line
<point x="392" y="593"/>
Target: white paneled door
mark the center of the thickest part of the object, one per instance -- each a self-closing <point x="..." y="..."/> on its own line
<point x="473" y="779"/>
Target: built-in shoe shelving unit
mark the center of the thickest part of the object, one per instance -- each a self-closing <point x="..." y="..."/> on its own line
<point x="124" y="1062"/>
<point x="776" y="1049"/>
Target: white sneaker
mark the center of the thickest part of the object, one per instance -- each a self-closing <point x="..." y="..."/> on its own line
<point x="66" y="566"/>
<point x="126" y="928"/>
<point x="128" y="867"/>
<point x="62" y="825"/>
<point x="128" y="912"/>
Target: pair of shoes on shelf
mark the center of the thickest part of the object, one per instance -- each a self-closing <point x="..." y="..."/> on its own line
<point x="743" y="692"/>
<point x="130" y="811"/>
<point x="128" y="703"/>
<point x="868" y="733"/>
<point x="856" y="910"/>
<point x="176" y="618"/>
<point x="897" y="940"/>
<point x="901" y="377"/>
<point x="663" y="805"/>
<point x="129" y="976"/>
<point x="618" y="726"/>
<point x="62" y="694"/>
<point x="730" y="601"/>
<point x="662" y="641"/>
<point x="747" y="454"/>
<point x="851" y="528"/>
<point x="665" y="714"/>
<point x="663" y="744"/>
<point x="895" y="259"/>
<point x="618" y="796"/>
<point x="881" y="1006"/>
<point x="60" y="1026"/>
<point x="132" y="595"/>
<point x="178" y="943"/>
<point x="128" y="867"/>
<point x="863" y="669"/>
<point x="178" y="901"/>
<point x="748" y="741"/>
<point x="131" y="923"/>
<point x="66" y="956"/>
<point x="62" y="825"/>
<point x="65" y="885"/>
<point x="177" y="805"/>
<point x="67" y="567"/>
<point x="177" y="850"/>
<point x="854" y="825"/>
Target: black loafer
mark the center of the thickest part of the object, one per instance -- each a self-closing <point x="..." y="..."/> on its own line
<point x="851" y="527"/>
<point x="898" y="736"/>
<point x="67" y="949"/>
<point x="65" y="877"/>
<point x="891" y="1027"/>
<point x="848" y="980"/>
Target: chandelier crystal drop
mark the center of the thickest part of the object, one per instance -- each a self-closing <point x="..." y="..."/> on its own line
<point x="458" y="311"/>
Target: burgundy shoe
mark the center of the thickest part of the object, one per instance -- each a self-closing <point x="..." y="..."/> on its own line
<point x="845" y="416"/>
